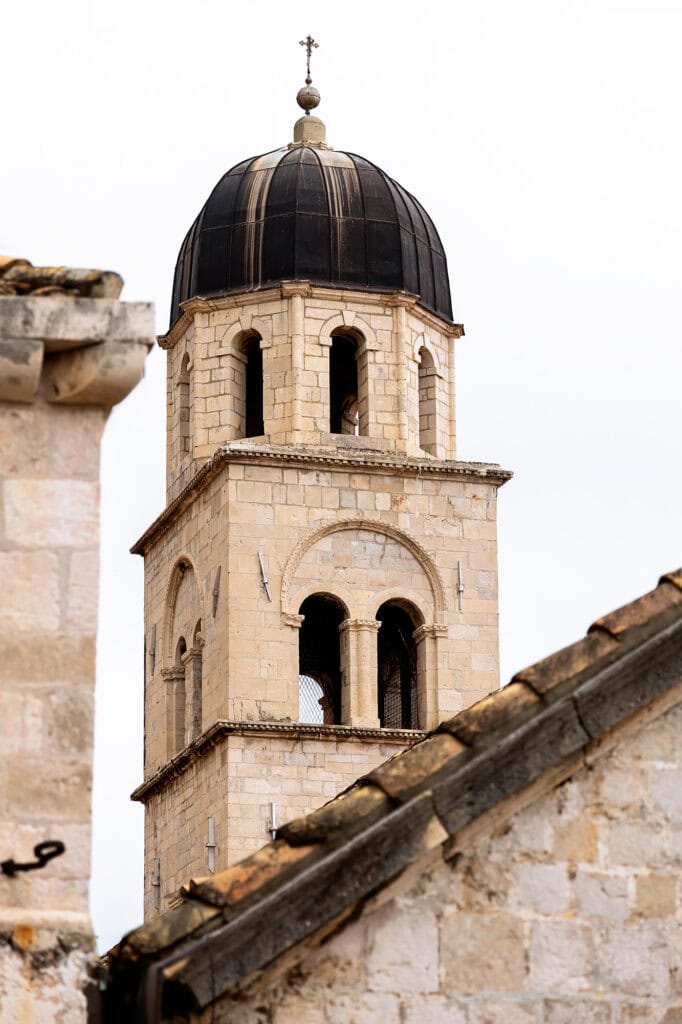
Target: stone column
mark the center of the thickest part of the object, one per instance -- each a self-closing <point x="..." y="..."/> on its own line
<point x="297" y="335"/>
<point x="426" y="639"/>
<point x="400" y="332"/>
<point x="359" y="670"/>
<point x="174" y="679"/>
<point x="63" y="363"/>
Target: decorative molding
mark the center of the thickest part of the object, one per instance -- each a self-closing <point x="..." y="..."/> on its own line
<point x="355" y="625"/>
<point x="435" y="630"/>
<point x="361" y="523"/>
<point x="295" y="621"/>
<point x="222" y="730"/>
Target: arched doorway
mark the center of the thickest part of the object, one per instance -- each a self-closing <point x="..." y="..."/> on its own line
<point x="319" y="660"/>
<point x="397" y="667"/>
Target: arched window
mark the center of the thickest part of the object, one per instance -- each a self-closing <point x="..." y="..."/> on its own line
<point x="193" y="686"/>
<point x="178" y="709"/>
<point x="343" y="386"/>
<point x="397" y="666"/>
<point x="428" y="438"/>
<point x="253" y="387"/>
<point x="183" y="403"/>
<point x="319" y="660"/>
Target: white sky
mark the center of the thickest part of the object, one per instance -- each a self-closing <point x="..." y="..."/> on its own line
<point x="544" y="139"/>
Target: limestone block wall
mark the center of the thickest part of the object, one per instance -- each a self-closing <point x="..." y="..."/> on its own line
<point x="364" y="532"/>
<point x="568" y="912"/>
<point x="295" y="324"/>
<point x="63" y="363"/>
<point x="235" y="783"/>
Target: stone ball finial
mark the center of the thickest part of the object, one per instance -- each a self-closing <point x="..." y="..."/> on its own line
<point x="308" y="97"/>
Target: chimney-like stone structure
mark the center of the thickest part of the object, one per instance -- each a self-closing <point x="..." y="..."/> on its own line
<point x="69" y="351"/>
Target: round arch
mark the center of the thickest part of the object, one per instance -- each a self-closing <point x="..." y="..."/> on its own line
<point x="244" y="326"/>
<point x="359" y="523"/>
<point x="423" y="341"/>
<point x="358" y="329"/>
<point x="178" y="572"/>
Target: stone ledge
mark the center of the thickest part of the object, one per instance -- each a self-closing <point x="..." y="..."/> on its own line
<point x="293" y="457"/>
<point x="290" y="730"/>
<point x="76" y="351"/>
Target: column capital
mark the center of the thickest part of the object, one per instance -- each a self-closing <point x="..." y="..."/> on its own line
<point x="356" y="625"/>
<point x="434" y="630"/>
<point x="290" y="619"/>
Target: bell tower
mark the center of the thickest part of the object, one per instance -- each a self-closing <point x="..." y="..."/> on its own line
<point x="322" y="585"/>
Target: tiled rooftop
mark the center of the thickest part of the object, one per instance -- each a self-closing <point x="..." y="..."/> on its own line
<point x="322" y="867"/>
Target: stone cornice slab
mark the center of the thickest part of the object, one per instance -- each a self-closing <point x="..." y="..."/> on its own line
<point x="76" y="351"/>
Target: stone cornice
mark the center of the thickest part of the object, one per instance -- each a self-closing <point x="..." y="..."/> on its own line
<point x="293" y="456"/>
<point x="73" y="351"/>
<point x="289" y="730"/>
<point x="202" y="304"/>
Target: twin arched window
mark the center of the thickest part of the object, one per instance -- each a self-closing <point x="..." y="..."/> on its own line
<point x="322" y="673"/>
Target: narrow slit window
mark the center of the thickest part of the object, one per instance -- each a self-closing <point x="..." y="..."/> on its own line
<point x="343" y="386"/>
<point x="253" y="414"/>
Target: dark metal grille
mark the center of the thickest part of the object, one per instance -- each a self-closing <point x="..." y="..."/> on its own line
<point x="319" y="651"/>
<point x="397" y="670"/>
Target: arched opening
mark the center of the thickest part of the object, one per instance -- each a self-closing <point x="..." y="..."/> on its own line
<point x="183" y="403"/>
<point x="428" y="438"/>
<point x="344" y="417"/>
<point x="253" y="387"/>
<point x="397" y="670"/>
<point x="194" y="671"/>
<point x="319" y="660"/>
<point x="178" y="681"/>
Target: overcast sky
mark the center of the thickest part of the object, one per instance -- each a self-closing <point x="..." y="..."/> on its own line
<point x="542" y="137"/>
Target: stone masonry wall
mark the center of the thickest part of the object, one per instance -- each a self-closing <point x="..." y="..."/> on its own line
<point x="295" y="324"/>
<point x="567" y="914"/>
<point x="234" y="783"/>
<point x="250" y="644"/>
<point x="88" y="353"/>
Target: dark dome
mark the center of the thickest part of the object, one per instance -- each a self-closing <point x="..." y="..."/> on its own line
<point x="312" y="214"/>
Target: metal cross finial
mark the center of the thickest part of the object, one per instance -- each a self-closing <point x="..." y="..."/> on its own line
<point x="310" y="45"/>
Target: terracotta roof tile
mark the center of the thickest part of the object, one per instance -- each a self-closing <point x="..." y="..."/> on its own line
<point x="348" y="813"/>
<point x="553" y="676"/>
<point x="405" y="773"/>
<point x="251" y="875"/>
<point x="673" y="577"/>
<point x="501" y="709"/>
<point x="644" y="612"/>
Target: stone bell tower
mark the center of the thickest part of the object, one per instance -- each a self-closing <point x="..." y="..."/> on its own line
<point x="322" y="584"/>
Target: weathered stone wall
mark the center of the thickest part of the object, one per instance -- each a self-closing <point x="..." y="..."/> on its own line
<point x="234" y="783"/>
<point x="570" y="912"/>
<point x="295" y="323"/>
<point x="63" y="362"/>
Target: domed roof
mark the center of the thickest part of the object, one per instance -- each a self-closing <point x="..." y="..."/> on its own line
<point x="314" y="214"/>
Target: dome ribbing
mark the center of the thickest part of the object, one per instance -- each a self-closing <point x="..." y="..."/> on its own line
<point x="314" y="214"/>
